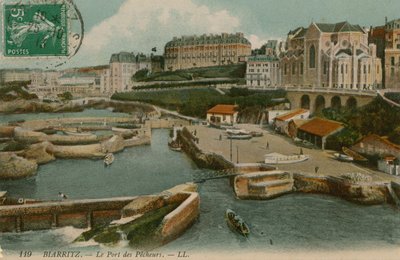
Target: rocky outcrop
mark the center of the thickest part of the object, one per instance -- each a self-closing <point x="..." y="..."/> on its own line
<point x="369" y="193"/>
<point x="78" y="151"/>
<point x="7" y="131"/>
<point x="42" y="153"/>
<point x="24" y="135"/>
<point x="202" y="160"/>
<point x="15" y="167"/>
<point x="114" y="144"/>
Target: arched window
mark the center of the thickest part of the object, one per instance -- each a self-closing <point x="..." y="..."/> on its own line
<point x="312" y="56"/>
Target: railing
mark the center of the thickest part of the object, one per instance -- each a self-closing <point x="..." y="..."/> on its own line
<point x="359" y="92"/>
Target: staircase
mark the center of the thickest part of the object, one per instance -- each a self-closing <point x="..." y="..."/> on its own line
<point x="263" y="185"/>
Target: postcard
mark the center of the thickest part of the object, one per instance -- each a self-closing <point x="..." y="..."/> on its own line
<point x="198" y="129"/>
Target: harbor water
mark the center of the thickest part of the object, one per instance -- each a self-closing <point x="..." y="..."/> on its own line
<point x="289" y="223"/>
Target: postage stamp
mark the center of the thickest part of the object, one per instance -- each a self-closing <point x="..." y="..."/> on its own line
<point x="51" y="28"/>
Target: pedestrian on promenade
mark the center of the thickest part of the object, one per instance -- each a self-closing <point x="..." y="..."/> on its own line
<point x="267" y="145"/>
<point x="301" y="151"/>
<point x="316" y="169"/>
<point x="220" y="137"/>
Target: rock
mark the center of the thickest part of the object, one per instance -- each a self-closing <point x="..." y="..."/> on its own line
<point x="24" y="135"/>
<point x="42" y="153"/>
<point x="7" y="131"/>
<point x="78" y="151"/>
<point x="15" y="167"/>
<point x="114" y="144"/>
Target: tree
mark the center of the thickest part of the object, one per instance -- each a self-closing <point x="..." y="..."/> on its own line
<point x="140" y="75"/>
<point x="65" y="96"/>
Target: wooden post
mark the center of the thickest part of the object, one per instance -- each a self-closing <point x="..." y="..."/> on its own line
<point x="54" y="223"/>
<point x="89" y="218"/>
<point x="18" y="224"/>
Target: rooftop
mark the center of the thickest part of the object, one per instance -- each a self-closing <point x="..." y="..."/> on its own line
<point x="223" y="109"/>
<point x="223" y="38"/>
<point x="339" y="27"/>
<point x="374" y="137"/>
<point x="291" y="114"/>
<point x="321" y="127"/>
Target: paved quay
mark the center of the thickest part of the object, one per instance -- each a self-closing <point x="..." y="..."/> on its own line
<point x="254" y="150"/>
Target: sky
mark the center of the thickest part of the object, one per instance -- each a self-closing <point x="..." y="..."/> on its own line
<point x="112" y="26"/>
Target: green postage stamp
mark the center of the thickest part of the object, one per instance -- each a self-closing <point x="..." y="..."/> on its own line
<point x="41" y="29"/>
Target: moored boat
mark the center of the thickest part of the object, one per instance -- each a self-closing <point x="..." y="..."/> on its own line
<point x="356" y="156"/>
<point x="77" y="133"/>
<point x="343" y="157"/>
<point x="174" y="146"/>
<point x="240" y="136"/>
<point x="108" y="159"/>
<point x="236" y="223"/>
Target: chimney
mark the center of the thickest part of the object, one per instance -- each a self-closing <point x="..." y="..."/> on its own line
<point x="386" y="20"/>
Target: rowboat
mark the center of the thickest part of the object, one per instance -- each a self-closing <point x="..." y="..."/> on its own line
<point x="356" y="156"/>
<point x="77" y="133"/>
<point x="343" y="157"/>
<point x="108" y="159"/>
<point x="236" y="223"/>
<point x="240" y="137"/>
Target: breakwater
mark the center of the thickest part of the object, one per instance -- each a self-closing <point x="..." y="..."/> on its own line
<point x="97" y="214"/>
<point x="202" y="159"/>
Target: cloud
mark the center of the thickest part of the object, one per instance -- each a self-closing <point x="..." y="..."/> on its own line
<point x="140" y="25"/>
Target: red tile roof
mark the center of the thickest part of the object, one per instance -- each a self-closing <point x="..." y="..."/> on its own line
<point x="291" y="114"/>
<point x="374" y="137"/>
<point x="223" y="109"/>
<point x="321" y="127"/>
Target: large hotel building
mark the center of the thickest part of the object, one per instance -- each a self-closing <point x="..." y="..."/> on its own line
<point x="205" y="51"/>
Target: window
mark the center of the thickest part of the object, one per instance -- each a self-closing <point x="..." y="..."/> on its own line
<point x="285" y="70"/>
<point x="365" y="69"/>
<point x="325" y="68"/>
<point x="346" y="68"/>
<point x="342" y="69"/>
<point x="293" y="68"/>
<point x="301" y="68"/>
<point x="312" y="57"/>
<point x="392" y="61"/>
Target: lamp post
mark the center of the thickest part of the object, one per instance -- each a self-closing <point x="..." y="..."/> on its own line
<point x="231" y="148"/>
<point x="237" y="154"/>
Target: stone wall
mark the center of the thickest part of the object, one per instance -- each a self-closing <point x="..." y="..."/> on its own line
<point x="175" y="223"/>
<point x="202" y="160"/>
<point x="77" y="213"/>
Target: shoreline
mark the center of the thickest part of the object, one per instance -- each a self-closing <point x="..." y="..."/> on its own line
<point x="371" y="192"/>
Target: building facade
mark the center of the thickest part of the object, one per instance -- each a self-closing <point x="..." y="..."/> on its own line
<point x="118" y="76"/>
<point x="392" y="54"/>
<point x="331" y="56"/>
<point x="223" y="114"/>
<point x="205" y="51"/>
<point x="11" y="75"/>
<point x="262" y="71"/>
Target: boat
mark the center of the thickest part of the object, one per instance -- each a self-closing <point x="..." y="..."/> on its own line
<point x="356" y="156"/>
<point x="343" y="157"/>
<point x="174" y="146"/>
<point x="240" y="136"/>
<point x="237" y="132"/>
<point x="108" y="159"/>
<point x="77" y="133"/>
<point x="236" y="223"/>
